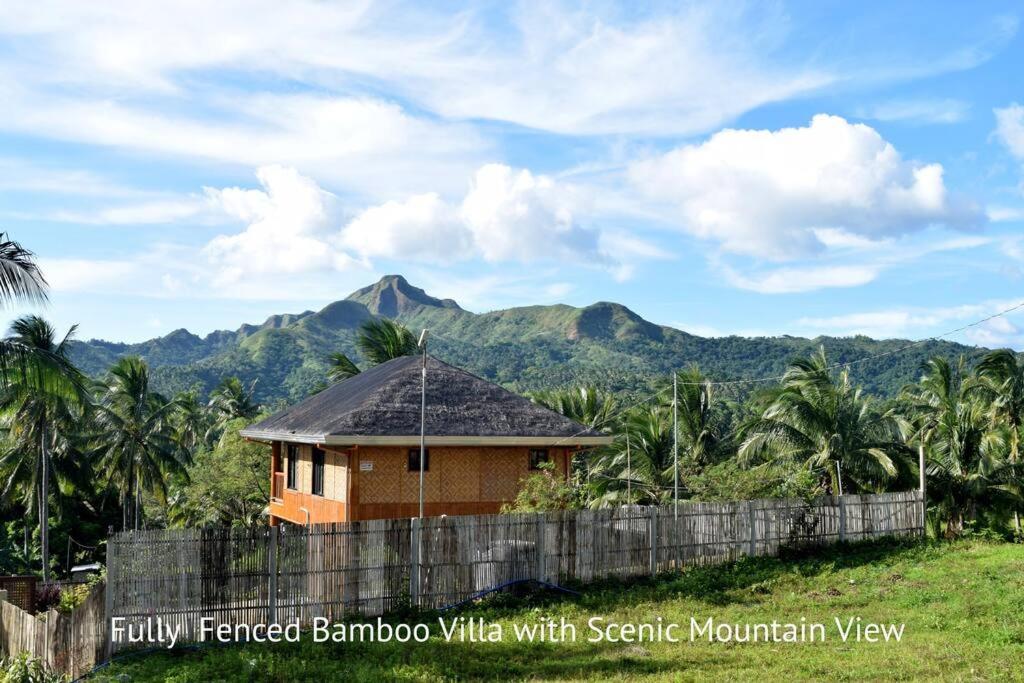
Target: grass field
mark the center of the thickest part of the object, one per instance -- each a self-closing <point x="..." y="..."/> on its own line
<point x="962" y="605"/>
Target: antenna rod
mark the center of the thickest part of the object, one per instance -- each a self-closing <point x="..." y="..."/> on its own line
<point x="423" y="416"/>
<point x="629" y="474"/>
<point x="675" y="442"/>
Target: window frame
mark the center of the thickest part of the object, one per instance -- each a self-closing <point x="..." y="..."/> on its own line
<point x="292" y="467"/>
<point x="535" y="465"/>
<point x="414" y="453"/>
<point x="319" y="470"/>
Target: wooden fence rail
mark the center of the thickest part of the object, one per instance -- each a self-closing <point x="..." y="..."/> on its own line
<point x="292" y="573"/>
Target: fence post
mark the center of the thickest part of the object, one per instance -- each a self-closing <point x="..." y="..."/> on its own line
<point x="654" y="538"/>
<point x="415" y="534"/>
<point x="272" y="575"/>
<point x="108" y="598"/>
<point x="753" y="528"/>
<point x="542" y="574"/>
<point x="842" y="520"/>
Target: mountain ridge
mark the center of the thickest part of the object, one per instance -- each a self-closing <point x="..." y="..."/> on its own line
<point x="527" y="347"/>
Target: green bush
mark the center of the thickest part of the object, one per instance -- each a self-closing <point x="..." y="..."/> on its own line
<point x="27" y="669"/>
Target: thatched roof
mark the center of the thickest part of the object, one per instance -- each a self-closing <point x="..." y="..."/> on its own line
<point x="382" y="406"/>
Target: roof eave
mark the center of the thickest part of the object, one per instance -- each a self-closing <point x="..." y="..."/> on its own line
<point x="414" y="439"/>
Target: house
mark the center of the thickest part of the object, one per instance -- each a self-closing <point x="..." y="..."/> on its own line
<point x="351" y="452"/>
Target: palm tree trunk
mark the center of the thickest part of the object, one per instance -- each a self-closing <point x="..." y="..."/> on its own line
<point x="44" y="503"/>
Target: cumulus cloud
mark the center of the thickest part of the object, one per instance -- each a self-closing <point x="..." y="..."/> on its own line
<point x="292" y="225"/>
<point x="517" y="216"/>
<point x="506" y="215"/>
<point x="422" y="228"/>
<point x="289" y="222"/>
<point x="771" y="193"/>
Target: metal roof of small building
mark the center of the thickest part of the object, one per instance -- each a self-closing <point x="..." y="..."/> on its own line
<point x="381" y="406"/>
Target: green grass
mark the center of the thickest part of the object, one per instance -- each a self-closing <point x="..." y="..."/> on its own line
<point x="962" y="603"/>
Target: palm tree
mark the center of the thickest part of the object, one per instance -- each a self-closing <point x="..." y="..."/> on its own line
<point x="231" y="400"/>
<point x="963" y="450"/>
<point x="42" y="405"/>
<point x="136" y="437"/>
<point x="587" y="405"/>
<point x="20" y="277"/>
<point x="192" y="421"/>
<point x="824" y="422"/>
<point x="640" y="459"/>
<point x="379" y="340"/>
<point x="700" y="427"/>
<point x="1000" y="383"/>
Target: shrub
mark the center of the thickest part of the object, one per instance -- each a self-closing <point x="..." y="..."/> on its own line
<point x="544" y="491"/>
<point x="27" y="669"/>
<point x="73" y="596"/>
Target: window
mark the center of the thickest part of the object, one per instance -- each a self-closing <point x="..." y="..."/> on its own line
<point x="318" y="472"/>
<point x="538" y="457"/>
<point x="293" y="465"/>
<point x="414" y="460"/>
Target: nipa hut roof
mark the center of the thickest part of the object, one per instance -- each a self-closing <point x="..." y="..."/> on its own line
<point x="381" y="406"/>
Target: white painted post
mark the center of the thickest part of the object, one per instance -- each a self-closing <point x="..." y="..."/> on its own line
<point x="272" y="575"/>
<point x="541" y="548"/>
<point x="108" y="596"/>
<point x="653" y="514"/>
<point x="415" y="535"/>
<point x="842" y="520"/>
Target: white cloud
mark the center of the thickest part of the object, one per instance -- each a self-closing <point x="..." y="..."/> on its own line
<point x="506" y="215"/>
<point x="1003" y="214"/>
<point x="289" y="221"/>
<point x="365" y="143"/>
<point x="793" y="280"/>
<point x="517" y="216"/>
<point x="77" y="275"/>
<point x="769" y="194"/>
<point x="919" y="111"/>
<point x="1010" y="128"/>
<point x="422" y="228"/>
<point x="149" y="212"/>
<point x="919" y="323"/>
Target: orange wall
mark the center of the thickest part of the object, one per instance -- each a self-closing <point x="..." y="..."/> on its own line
<point x="378" y="485"/>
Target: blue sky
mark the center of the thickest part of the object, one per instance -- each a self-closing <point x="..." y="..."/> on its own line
<point x="726" y="168"/>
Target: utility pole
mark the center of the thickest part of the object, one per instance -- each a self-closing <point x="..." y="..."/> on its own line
<point x="423" y="415"/>
<point x="675" y="443"/>
<point x="44" y="503"/>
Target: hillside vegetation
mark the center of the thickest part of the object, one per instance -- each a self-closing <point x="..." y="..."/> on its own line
<point x="526" y="348"/>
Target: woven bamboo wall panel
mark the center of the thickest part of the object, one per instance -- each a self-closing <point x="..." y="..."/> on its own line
<point x="382" y="484"/>
<point x="503" y="468"/>
<point x="460" y="473"/>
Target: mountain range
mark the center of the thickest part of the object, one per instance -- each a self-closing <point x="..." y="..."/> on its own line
<point x="523" y="348"/>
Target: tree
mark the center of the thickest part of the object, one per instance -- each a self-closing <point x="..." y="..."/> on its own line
<point x="136" y="437"/>
<point x="587" y="405"/>
<point x="823" y="421"/>
<point x="192" y="421"/>
<point x="640" y="460"/>
<point x="700" y="427"/>
<point x="1000" y="383"/>
<point x="227" y="484"/>
<point x="42" y="404"/>
<point x="963" y="451"/>
<point x="379" y="340"/>
<point x="231" y="400"/>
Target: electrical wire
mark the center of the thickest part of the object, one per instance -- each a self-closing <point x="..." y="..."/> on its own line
<point x="777" y="378"/>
